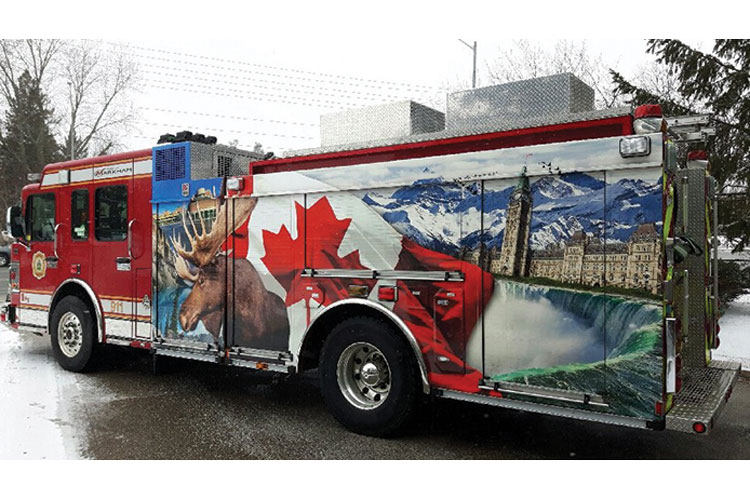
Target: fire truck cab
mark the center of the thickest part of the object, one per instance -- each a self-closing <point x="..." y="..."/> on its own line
<point x="82" y="256"/>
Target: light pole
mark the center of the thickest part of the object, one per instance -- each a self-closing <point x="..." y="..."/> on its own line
<point x="474" y="67"/>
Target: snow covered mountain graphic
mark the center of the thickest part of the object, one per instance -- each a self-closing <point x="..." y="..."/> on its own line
<point x="445" y="216"/>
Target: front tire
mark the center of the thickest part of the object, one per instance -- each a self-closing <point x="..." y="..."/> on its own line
<point x="72" y="334"/>
<point x="369" y="376"/>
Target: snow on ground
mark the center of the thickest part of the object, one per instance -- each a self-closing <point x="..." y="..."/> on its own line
<point x="35" y="424"/>
<point x="735" y="332"/>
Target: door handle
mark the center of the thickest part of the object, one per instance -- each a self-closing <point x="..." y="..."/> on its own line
<point x="130" y="238"/>
<point x="54" y="247"/>
<point x="123" y="263"/>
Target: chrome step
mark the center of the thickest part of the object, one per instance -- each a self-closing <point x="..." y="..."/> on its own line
<point x="539" y="392"/>
<point x="704" y="393"/>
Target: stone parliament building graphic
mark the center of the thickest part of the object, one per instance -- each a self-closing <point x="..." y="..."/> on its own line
<point x="581" y="259"/>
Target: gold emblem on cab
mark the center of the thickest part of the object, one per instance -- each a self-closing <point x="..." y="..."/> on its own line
<point x="39" y="265"/>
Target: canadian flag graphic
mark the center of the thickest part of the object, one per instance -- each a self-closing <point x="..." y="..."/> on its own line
<point x="287" y="234"/>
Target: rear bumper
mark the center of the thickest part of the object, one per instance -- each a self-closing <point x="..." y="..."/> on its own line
<point x="704" y="394"/>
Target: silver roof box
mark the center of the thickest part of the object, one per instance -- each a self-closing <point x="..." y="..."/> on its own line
<point x="517" y="101"/>
<point x="385" y="121"/>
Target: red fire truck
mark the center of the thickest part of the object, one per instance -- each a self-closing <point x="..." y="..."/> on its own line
<point x="566" y="266"/>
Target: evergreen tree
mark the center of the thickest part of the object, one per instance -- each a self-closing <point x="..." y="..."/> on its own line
<point x="26" y="141"/>
<point x="717" y="83"/>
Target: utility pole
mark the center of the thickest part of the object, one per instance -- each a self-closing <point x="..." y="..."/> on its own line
<point x="71" y="132"/>
<point x="474" y="67"/>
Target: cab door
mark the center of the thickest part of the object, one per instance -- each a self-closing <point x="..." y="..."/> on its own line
<point x="112" y="259"/>
<point x="38" y="267"/>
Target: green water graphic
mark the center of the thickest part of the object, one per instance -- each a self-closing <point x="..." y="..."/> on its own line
<point x="630" y="379"/>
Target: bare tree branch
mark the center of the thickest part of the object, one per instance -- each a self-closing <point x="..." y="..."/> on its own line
<point x="524" y="59"/>
<point x="98" y="84"/>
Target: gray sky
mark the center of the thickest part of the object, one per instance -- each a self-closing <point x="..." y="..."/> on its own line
<point x="275" y="94"/>
<point x="262" y="72"/>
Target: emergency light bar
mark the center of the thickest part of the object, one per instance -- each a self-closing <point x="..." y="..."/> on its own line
<point x="186" y="136"/>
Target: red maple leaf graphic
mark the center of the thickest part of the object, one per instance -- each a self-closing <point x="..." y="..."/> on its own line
<point x="441" y="335"/>
<point x="325" y="233"/>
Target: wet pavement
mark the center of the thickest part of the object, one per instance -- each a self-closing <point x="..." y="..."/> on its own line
<point x="121" y="410"/>
<point x="192" y="410"/>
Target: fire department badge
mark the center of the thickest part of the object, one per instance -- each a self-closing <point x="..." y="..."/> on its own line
<point x="39" y="265"/>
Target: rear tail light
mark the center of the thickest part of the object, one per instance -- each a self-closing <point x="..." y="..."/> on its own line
<point x="698" y="155"/>
<point x="647" y="119"/>
<point x="699" y="427"/>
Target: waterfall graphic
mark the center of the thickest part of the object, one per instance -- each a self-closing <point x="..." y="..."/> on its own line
<point x="574" y="340"/>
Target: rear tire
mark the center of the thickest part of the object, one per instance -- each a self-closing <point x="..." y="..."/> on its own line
<point x="369" y="377"/>
<point x="72" y="334"/>
<point x="4" y="260"/>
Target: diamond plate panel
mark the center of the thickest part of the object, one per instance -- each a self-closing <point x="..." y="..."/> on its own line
<point x="201" y="161"/>
<point x="705" y="391"/>
<point x="691" y="221"/>
<point x="554" y="95"/>
<point x="216" y="160"/>
<point x="535" y="102"/>
<point x="385" y="121"/>
<point x="482" y="128"/>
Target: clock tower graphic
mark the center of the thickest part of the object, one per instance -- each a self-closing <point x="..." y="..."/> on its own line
<point x="515" y="257"/>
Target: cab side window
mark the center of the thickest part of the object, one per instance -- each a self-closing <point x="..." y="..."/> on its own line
<point x="111" y="213"/>
<point x="40" y="217"/>
<point x="79" y="214"/>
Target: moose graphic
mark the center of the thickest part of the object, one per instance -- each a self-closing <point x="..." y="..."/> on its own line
<point x="260" y="318"/>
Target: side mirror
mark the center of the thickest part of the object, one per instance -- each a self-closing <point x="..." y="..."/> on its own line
<point x="15" y="222"/>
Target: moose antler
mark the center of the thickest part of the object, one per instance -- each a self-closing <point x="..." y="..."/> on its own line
<point x="181" y="265"/>
<point x="204" y="245"/>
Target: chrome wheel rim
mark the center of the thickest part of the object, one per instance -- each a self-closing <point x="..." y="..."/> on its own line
<point x="364" y="376"/>
<point x="69" y="334"/>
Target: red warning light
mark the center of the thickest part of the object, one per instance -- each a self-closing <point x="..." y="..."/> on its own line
<point x="387" y="293"/>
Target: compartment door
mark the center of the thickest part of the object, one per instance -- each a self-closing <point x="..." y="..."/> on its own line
<point x="189" y="287"/>
<point x="547" y="256"/>
<point x="634" y="363"/>
<point x="142" y="305"/>
<point x="266" y="258"/>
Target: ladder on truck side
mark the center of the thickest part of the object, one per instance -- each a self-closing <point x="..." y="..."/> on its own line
<point x="691" y="290"/>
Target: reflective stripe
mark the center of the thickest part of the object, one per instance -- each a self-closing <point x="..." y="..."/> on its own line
<point x="98" y="173"/>
<point x="35" y="299"/>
